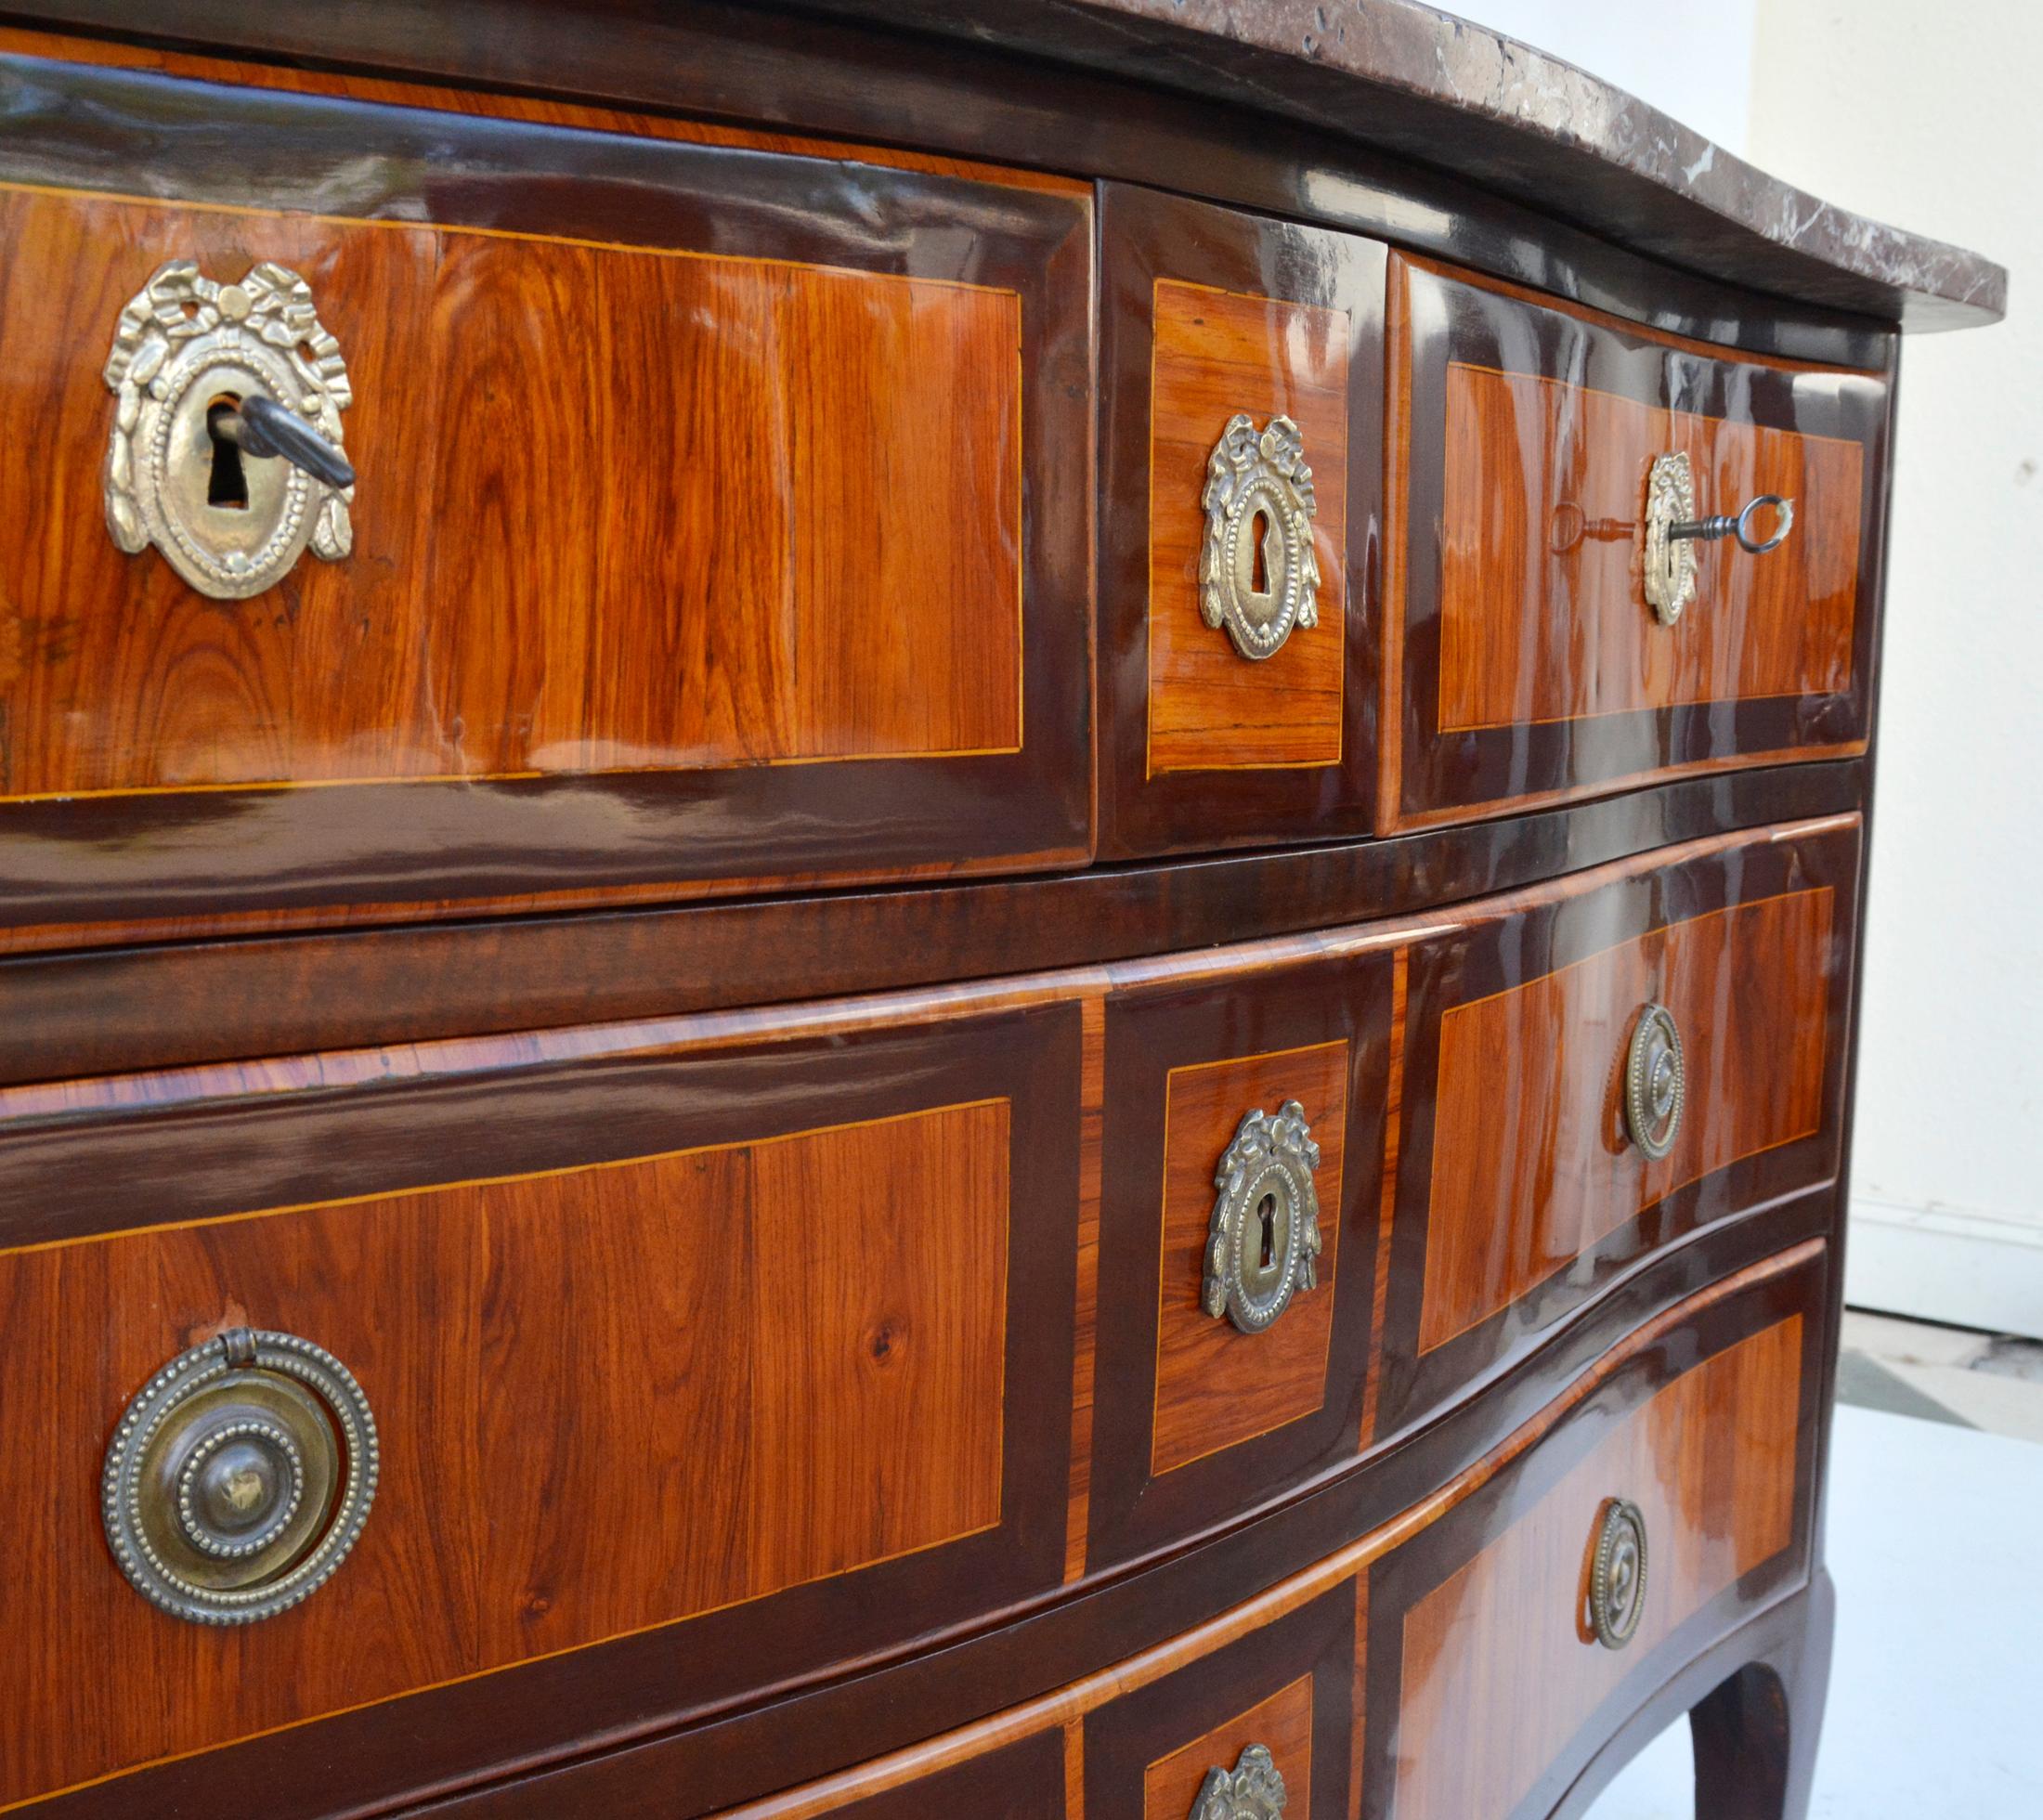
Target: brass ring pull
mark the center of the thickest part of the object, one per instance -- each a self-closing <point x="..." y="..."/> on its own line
<point x="1616" y="1574"/>
<point x="1254" y="1790"/>
<point x="240" y="1477"/>
<point x="1263" y="1244"/>
<point x="1673" y="530"/>
<point x="1655" y="1081"/>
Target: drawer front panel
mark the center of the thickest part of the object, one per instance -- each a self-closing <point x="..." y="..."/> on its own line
<point x="1487" y="1687"/>
<point x="1195" y="1419"/>
<point x="1286" y="1689"/>
<point x="1525" y="662"/>
<point x="738" y="494"/>
<point x="758" y="1359"/>
<point x="1209" y="315"/>
<point x="1521" y="1189"/>
<point x="1441" y="1662"/>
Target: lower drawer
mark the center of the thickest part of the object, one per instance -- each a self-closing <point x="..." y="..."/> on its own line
<point x="1446" y="1666"/>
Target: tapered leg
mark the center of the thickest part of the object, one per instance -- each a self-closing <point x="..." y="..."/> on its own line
<point x="1755" y="1734"/>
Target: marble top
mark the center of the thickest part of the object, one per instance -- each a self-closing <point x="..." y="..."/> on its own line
<point x="1402" y="77"/>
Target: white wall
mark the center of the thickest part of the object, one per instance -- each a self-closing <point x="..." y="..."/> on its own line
<point x="1692" y="65"/>
<point x="1931" y="118"/>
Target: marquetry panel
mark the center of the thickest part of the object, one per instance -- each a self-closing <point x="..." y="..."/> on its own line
<point x="1282" y="1725"/>
<point x="1283" y="1678"/>
<point x="719" y="521"/>
<point x="1499" y="1672"/>
<point x="1217" y="353"/>
<point x="1531" y="1164"/>
<point x="1522" y="663"/>
<point x="1521" y="1194"/>
<point x="1538" y="624"/>
<point x="1191" y="1420"/>
<point x="1215" y="1384"/>
<point x="791" y="1387"/>
<point x="1207" y="314"/>
<point x="606" y="1398"/>
<point x="692" y="513"/>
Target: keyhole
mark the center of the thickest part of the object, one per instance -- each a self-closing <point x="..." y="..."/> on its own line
<point x="227" y="487"/>
<point x="1258" y="528"/>
<point x="1267" y="1213"/>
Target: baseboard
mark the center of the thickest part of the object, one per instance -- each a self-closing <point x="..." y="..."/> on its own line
<point x="1942" y="1264"/>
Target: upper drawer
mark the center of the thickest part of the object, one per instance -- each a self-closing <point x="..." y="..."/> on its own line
<point x="1524" y="661"/>
<point x="1238" y="558"/>
<point x="721" y="511"/>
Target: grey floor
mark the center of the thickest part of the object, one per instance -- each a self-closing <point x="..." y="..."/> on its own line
<point x="1936" y="1517"/>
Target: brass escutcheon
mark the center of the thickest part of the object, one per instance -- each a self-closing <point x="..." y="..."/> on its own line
<point x="231" y="501"/>
<point x="1254" y="1790"/>
<point x="1263" y="1242"/>
<point x="1258" y="477"/>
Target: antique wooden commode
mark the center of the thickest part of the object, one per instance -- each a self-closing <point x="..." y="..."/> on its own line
<point x="918" y="909"/>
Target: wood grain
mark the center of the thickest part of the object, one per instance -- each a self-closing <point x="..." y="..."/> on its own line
<point x="1086" y="1318"/>
<point x="1282" y="1723"/>
<point x="619" y="510"/>
<point x="1217" y="353"/>
<point x="1498" y="1673"/>
<point x="537" y="110"/>
<point x="1532" y="633"/>
<point x="1522" y="666"/>
<point x="607" y="1397"/>
<point x="1344" y="1573"/>
<point x="1217" y="1387"/>
<point x="1387" y="1217"/>
<point x="1532" y="1163"/>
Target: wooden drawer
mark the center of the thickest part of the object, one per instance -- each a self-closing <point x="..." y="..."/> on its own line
<point x="1208" y="314"/>
<point x="1196" y="1420"/>
<point x="747" y="1359"/>
<point x="1521" y="1192"/>
<point x="1523" y="663"/>
<point x="721" y="514"/>
<point x="1488" y="1689"/>
<point x="1444" y="1663"/>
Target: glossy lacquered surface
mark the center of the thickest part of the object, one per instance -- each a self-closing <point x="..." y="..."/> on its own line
<point x="774" y="1341"/>
<point x="666" y="1247"/>
<point x="1523" y="662"/>
<point x="721" y="514"/>
<point x="1520" y="1189"/>
<point x="1206" y="313"/>
<point x="1709" y="1412"/>
<point x="1484" y="1682"/>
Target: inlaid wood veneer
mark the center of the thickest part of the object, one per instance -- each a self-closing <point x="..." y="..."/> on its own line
<point x="1214" y="1386"/>
<point x="1193" y="1420"/>
<point x="1499" y="1672"/>
<point x="1520" y="1192"/>
<point x="1280" y="1723"/>
<point x="1707" y="1412"/>
<point x="1208" y="314"/>
<point x="712" y="483"/>
<point x="1217" y="353"/>
<point x="1531" y="633"/>
<point x="1521" y="662"/>
<point x="807" y="1384"/>
<point x="1531" y="1164"/>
